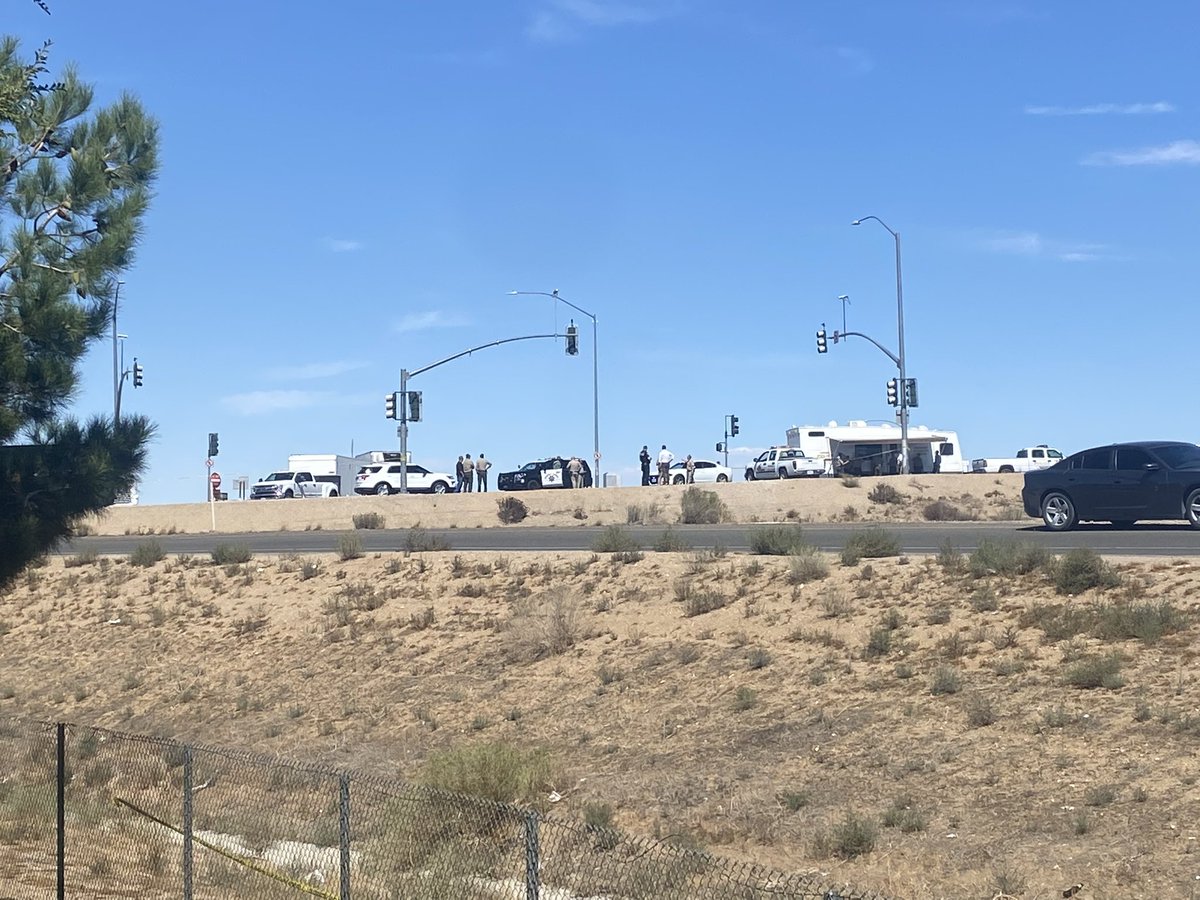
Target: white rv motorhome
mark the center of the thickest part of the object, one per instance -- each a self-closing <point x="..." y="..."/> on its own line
<point x="872" y="449"/>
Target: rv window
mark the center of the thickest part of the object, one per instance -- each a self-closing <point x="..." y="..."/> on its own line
<point x="946" y="450"/>
<point x="816" y="434"/>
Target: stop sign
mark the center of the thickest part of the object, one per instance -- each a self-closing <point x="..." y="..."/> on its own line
<point x="215" y="479"/>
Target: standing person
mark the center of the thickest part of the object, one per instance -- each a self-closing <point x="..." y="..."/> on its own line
<point x="937" y="461"/>
<point x="458" y="473"/>
<point x="468" y="473"/>
<point x="575" y="467"/>
<point x="689" y="465"/>
<point x="665" y="458"/>
<point x="481" y="466"/>
<point x="644" y="459"/>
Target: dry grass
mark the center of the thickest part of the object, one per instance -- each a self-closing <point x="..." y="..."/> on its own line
<point x="864" y="716"/>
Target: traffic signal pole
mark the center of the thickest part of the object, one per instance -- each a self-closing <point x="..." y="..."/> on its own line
<point x="402" y="397"/>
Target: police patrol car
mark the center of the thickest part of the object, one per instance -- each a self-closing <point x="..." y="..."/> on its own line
<point x="543" y="473"/>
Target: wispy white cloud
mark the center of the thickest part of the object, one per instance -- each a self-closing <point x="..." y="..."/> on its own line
<point x="1173" y="154"/>
<point x="1030" y="243"/>
<point x="1103" y="109"/>
<point x="257" y="402"/>
<point x="342" y="245"/>
<point x="433" y="318"/>
<point x="561" y="20"/>
<point x="313" y="370"/>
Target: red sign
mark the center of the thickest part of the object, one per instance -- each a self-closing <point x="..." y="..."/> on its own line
<point x="215" y="479"/>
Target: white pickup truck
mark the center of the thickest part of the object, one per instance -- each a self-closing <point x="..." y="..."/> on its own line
<point x="784" y="462"/>
<point x="285" y="485"/>
<point x="1026" y="460"/>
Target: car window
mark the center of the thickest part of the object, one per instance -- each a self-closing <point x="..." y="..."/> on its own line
<point x="760" y="457"/>
<point x="1054" y="454"/>
<point x="1132" y="459"/>
<point x="393" y="470"/>
<point x="1039" y="454"/>
<point x="1179" y="456"/>
<point x="418" y="470"/>
<point x="1096" y="459"/>
<point x="701" y="464"/>
<point x="1021" y="454"/>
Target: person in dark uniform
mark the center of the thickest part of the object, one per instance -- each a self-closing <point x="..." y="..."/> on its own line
<point x="644" y="459"/>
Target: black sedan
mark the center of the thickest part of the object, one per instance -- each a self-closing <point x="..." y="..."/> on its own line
<point x="1120" y="483"/>
<point x="544" y="473"/>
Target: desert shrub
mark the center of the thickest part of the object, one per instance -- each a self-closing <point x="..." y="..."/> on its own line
<point x="628" y="556"/>
<point x="853" y="836"/>
<point x="980" y="711"/>
<point x="1146" y="622"/>
<point x="371" y="521"/>
<point x="614" y="539"/>
<point x="493" y="771"/>
<point x="904" y="814"/>
<point x="807" y="565"/>
<point x="849" y="481"/>
<point x="1081" y="569"/>
<point x="146" y="554"/>
<point x="699" y="507"/>
<point x="872" y="543"/>
<point x="696" y="603"/>
<point x="777" y="540"/>
<point x="670" y="542"/>
<point x="310" y="568"/>
<point x="83" y="558"/>
<point x="758" y="658"/>
<point x="349" y="547"/>
<point x="945" y="511"/>
<point x="422" y="620"/>
<point x="1095" y="672"/>
<point x="544" y="625"/>
<point x="879" y="642"/>
<point x="511" y="510"/>
<point x="418" y="540"/>
<point x="636" y="514"/>
<point x="946" y="680"/>
<point x="950" y="558"/>
<point x="885" y="493"/>
<point x="745" y="698"/>
<point x="1006" y="557"/>
<point x="984" y="600"/>
<point x="231" y="554"/>
<point x="1100" y="795"/>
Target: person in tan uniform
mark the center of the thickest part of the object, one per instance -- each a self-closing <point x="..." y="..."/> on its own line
<point x="468" y="474"/>
<point x="481" y="469"/>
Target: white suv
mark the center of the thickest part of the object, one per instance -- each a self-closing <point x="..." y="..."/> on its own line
<point x="384" y="478"/>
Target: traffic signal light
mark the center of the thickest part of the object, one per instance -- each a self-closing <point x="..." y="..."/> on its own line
<point x="733" y="426"/>
<point x="414" y="406"/>
<point x="822" y="346"/>
<point x="137" y="373"/>
<point x="213" y="443"/>
<point x="572" y="340"/>
<point x="910" y="392"/>
<point x="893" y="388"/>
<point x="389" y="405"/>
<point x="720" y="446"/>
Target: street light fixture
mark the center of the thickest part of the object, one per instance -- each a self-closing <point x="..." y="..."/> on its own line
<point x="554" y="295"/>
<point x="904" y="468"/>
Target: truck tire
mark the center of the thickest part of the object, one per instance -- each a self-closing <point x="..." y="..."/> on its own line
<point x="288" y="494"/>
<point x="1004" y="469"/>
<point x="783" y="474"/>
<point x="383" y="488"/>
<point x="333" y="493"/>
<point x="749" y="474"/>
<point x="678" y="479"/>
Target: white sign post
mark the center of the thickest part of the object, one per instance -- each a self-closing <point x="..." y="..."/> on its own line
<point x="214" y="479"/>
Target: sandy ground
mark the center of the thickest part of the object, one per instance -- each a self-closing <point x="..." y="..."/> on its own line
<point x="746" y="702"/>
<point x="807" y="500"/>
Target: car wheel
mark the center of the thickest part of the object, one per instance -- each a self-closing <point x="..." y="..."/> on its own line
<point x="749" y="474"/>
<point x="532" y="485"/>
<point x="440" y="487"/>
<point x="678" y="479"/>
<point x="1192" y="508"/>
<point x="722" y="478"/>
<point x="1058" y="512"/>
<point x="783" y="473"/>
<point x="288" y="495"/>
<point x="383" y="488"/>
<point x="333" y="493"/>
<point x="1004" y="469"/>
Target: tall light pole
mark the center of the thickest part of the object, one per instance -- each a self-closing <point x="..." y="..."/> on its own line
<point x="900" y="325"/>
<point x="116" y="368"/>
<point x="554" y="295"/>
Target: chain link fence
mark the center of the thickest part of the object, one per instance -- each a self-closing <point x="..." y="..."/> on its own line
<point x="96" y="813"/>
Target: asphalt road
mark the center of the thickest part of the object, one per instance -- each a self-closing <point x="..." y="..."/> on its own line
<point x="1141" y="540"/>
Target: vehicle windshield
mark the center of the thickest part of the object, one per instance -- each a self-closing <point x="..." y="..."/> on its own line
<point x="1179" y="456"/>
<point x="529" y="467"/>
<point x="279" y="476"/>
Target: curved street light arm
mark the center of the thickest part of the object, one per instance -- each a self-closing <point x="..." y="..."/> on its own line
<point x="440" y="362"/>
<point x="890" y="355"/>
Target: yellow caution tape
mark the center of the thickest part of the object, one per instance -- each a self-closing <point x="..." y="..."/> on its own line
<point x="250" y="864"/>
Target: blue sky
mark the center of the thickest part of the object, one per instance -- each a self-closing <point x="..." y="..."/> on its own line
<point x="348" y="190"/>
